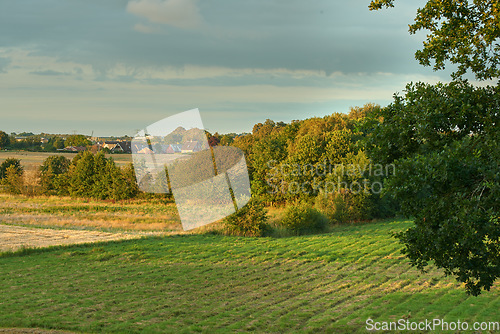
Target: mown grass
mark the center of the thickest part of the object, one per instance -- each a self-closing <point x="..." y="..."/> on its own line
<point x="212" y="283"/>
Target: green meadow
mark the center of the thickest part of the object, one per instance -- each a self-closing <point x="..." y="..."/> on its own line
<point x="329" y="283"/>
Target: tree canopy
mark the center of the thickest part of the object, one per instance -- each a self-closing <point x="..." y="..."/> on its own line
<point x="443" y="140"/>
<point x="4" y="140"/>
<point x="465" y="33"/>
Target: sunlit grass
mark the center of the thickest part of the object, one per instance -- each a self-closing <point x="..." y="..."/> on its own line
<point x="64" y="212"/>
<point x="212" y="283"/>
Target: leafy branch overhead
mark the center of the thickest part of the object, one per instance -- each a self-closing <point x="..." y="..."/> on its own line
<point x="465" y="33"/>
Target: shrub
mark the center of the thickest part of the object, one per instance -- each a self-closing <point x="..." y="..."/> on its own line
<point x="344" y="206"/>
<point x="16" y="163"/>
<point x="13" y="180"/>
<point x="249" y="221"/>
<point x="301" y="218"/>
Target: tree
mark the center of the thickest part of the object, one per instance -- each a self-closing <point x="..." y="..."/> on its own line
<point x="13" y="180"/>
<point x="82" y="175"/>
<point x="15" y="163"/>
<point x="227" y="139"/>
<point x="4" y="140"/>
<point x="444" y="141"/>
<point x="52" y="171"/>
<point x="77" y="140"/>
<point x="466" y="33"/>
<point x="58" y="143"/>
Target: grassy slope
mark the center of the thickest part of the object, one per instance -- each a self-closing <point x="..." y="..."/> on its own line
<point x="207" y="283"/>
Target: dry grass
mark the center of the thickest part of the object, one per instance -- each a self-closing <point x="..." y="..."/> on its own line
<point x="65" y="212"/>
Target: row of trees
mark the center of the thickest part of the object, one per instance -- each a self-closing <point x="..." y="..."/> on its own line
<point x="40" y="143"/>
<point x="87" y="175"/>
<point x="321" y="161"/>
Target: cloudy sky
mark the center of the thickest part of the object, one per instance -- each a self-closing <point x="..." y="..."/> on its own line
<point x="116" y="66"/>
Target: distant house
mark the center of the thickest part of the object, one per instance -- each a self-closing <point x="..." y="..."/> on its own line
<point x="145" y="150"/>
<point x="118" y="146"/>
<point x="173" y="148"/>
<point x="191" y="146"/>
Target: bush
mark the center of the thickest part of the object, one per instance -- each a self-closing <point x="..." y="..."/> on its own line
<point x="301" y="218"/>
<point x="15" y="163"/>
<point x="249" y="221"/>
<point x="344" y="206"/>
<point x="13" y="180"/>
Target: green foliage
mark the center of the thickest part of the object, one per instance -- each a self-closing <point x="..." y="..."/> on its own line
<point x="345" y="206"/>
<point x="58" y="143"/>
<point x="81" y="175"/>
<point x="95" y="176"/>
<point x="463" y="32"/>
<point x="29" y="143"/>
<point x="13" y="180"/>
<point x="301" y="218"/>
<point x="430" y="117"/>
<point x="227" y="139"/>
<point x="52" y="174"/>
<point x="77" y="140"/>
<point x="358" y="113"/>
<point x="454" y="196"/>
<point x="444" y="141"/>
<point x="4" y="140"/>
<point x="249" y="221"/>
<point x="15" y="163"/>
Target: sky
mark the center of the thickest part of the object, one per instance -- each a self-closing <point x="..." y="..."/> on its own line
<point x="113" y="67"/>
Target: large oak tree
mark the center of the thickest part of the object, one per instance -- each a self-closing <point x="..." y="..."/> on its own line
<point x="444" y="141"/>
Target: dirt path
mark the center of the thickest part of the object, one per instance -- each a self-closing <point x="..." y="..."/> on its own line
<point x="16" y="237"/>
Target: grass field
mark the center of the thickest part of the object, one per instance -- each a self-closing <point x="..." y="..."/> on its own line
<point x="66" y="212"/>
<point x="329" y="283"/>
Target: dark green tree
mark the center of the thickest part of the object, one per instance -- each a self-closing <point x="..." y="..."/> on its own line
<point x="58" y="143"/>
<point x="52" y="174"/>
<point x="15" y="163"/>
<point x="4" y="140"/>
<point x="443" y="140"/>
<point x="82" y="175"/>
<point x="77" y="140"/>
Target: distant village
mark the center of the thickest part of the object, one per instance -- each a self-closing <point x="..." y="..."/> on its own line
<point x="125" y="145"/>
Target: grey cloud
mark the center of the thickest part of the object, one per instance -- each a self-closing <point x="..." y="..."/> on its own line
<point x="318" y="35"/>
<point x="49" y="73"/>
